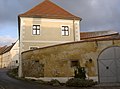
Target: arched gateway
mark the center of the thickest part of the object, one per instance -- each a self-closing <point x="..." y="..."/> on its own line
<point x="109" y="65"/>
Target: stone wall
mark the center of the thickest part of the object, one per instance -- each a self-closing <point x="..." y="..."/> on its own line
<point x="56" y="61"/>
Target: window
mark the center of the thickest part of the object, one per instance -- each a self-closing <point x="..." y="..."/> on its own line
<point x="33" y="48"/>
<point x="65" y="31"/>
<point x="16" y="61"/>
<point x="36" y="30"/>
<point x="37" y="61"/>
<point x="75" y="63"/>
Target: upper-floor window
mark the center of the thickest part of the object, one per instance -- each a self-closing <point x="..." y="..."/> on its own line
<point x="65" y="30"/>
<point x="36" y="30"/>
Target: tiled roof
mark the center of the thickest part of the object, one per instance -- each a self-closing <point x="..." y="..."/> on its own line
<point x="6" y="49"/>
<point x="97" y="34"/>
<point x="48" y="9"/>
<point x="2" y="49"/>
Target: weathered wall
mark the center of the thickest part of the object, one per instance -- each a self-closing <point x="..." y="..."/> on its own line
<point x="55" y="61"/>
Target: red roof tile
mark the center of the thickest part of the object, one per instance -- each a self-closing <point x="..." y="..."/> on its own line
<point x="48" y="9"/>
<point x="6" y="49"/>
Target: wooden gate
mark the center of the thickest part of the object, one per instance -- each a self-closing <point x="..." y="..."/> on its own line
<point x="109" y="65"/>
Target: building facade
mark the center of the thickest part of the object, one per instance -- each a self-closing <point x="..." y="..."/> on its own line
<point x="45" y="25"/>
<point x="9" y="56"/>
<point x="51" y="45"/>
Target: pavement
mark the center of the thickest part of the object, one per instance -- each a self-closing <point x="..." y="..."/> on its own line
<point x="7" y="82"/>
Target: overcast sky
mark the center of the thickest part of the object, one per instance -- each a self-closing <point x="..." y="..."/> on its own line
<point x="96" y="14"/>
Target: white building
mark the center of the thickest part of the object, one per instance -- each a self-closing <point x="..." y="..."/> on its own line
<point x="9" y="56"/>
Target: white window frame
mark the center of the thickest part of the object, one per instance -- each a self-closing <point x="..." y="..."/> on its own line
<point x="36" y="30"/>
<point x="64" y="30"/>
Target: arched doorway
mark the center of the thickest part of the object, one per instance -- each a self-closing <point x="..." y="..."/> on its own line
<point x="109" y="65"/>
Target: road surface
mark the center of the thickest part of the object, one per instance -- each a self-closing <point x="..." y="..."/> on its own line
<point x="7" y="82"/>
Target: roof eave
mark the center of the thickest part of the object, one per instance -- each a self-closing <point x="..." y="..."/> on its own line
<point x="50" y="17"/>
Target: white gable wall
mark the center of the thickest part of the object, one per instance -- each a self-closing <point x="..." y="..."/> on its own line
<point x="15" y="55"/>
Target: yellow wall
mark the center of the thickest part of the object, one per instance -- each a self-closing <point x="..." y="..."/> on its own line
<point x="57" y="59"/>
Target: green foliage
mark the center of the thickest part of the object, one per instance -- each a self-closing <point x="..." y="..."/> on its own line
<point x="13" y="72"/>
<point x="80" y="73"/>
<point x="54" y="82"/>
<point x="41" y="82"/>
<point x="77" y="82"/>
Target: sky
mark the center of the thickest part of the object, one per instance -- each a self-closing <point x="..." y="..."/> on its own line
<point x="96" y="15"/>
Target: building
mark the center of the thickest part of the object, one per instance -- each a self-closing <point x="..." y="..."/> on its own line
<point x="1" y="52"/>
<point x="50" y="46"/>
<point x="47" y="24"/>
<point x="9" y="56"/>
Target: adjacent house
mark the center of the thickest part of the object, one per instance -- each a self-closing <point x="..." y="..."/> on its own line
<point x="9" y="56"/>
<point x="1" y="58"/>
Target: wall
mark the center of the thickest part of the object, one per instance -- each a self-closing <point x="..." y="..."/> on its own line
<point x="15" y="55"/>
<point x="6" y="60"/>
<point x="50" y="32"/>
<point x="55" y="61"/>
<point x="0" y="61"/>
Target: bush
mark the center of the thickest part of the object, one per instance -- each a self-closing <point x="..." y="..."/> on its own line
<point x="13" y="72"/>
<point x="77" y="82"/>
<point x="54" y="82"/>
<point x="41" y="82"/>
<point x="80" y="72"/>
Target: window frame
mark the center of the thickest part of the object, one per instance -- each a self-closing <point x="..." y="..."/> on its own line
<point x="36" y="30"/>
<point x="65" y="32"/>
